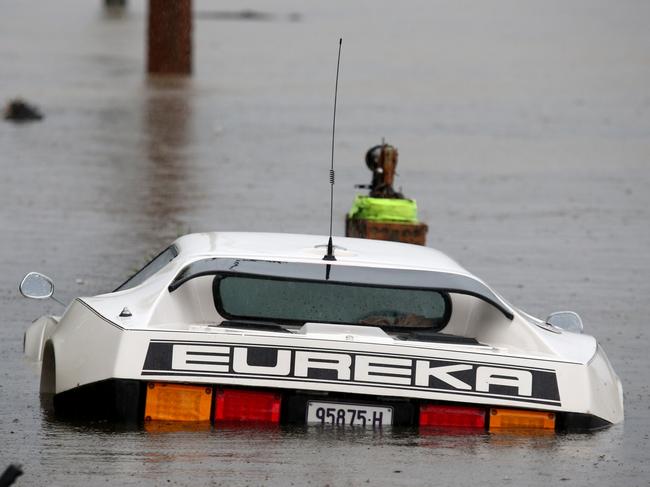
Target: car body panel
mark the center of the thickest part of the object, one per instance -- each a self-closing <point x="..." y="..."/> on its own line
<point x="514" y="362"/>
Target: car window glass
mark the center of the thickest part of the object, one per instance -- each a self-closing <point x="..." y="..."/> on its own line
<point x="157" y="263"/>
<point x="326" y="302"/>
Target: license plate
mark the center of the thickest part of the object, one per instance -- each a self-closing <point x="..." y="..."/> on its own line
<point x="341" y="414"/>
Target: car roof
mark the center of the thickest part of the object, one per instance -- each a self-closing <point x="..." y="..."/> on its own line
<point x="199" y="249"/>
<point x="312" y="248"/>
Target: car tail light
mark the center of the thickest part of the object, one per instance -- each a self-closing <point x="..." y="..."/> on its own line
<point x="177" y="402"/>
<point x="516" y="418"/>
<point x="243" y="405"/>
<point x="452" y="416"/>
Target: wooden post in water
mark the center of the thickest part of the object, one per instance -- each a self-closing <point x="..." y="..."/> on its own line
<point x="169" y="43"/>
<point x="414" y="233"/>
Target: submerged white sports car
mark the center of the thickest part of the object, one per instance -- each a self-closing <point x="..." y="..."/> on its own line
<point x="258" y="327"/>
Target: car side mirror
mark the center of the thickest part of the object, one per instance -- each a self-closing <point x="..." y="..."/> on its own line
<point x="37" y="286"/>
<point x="566" y="320"/>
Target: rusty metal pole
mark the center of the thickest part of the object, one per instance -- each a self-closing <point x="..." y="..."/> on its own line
<point x="170" y="37"/>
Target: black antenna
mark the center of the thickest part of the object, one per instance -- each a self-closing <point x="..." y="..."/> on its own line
<point x="330" y="246"/>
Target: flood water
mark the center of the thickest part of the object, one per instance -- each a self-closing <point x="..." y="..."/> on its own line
<point x="524" y="134"/>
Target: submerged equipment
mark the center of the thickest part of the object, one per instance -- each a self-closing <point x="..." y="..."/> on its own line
<point x="385" y="213"/>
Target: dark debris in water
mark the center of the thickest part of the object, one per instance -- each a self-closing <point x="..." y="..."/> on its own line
<point x="10" y="475"/>
<point x="18" y="110"/>
<point x="246" y="14"/>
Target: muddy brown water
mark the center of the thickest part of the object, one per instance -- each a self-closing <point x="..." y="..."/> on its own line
<point x="524" y="135"/>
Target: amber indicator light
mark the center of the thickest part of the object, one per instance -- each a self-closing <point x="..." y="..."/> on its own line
<point x="177" y="402"/>
<point x="520" y="419"/>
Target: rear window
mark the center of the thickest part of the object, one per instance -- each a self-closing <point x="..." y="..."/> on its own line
<point x="296" y="301"/>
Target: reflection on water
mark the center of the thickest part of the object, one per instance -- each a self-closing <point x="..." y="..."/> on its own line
<point x="114" y="10"/>
<point x="176" y="426"/>
<point x="253" y="454"/>
<point x="464" y="439"/>
<point x="508" y="434"/>
<point x="167" y="117"/>
<point x="185" y="433"/>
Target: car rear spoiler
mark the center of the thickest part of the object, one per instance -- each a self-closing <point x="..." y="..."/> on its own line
<point x="337" y="273"/>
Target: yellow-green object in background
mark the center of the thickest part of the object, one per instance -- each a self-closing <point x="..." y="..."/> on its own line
<point x="384" y="209"/>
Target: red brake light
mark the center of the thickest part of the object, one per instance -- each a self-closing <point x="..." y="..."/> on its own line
<point x="452" y="416"/>
<point x="242" y="405"/>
